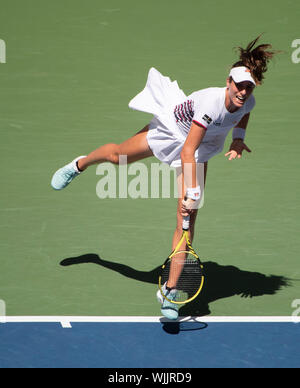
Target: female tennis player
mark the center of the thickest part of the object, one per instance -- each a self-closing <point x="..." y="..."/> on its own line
<point x="185" y="132"/>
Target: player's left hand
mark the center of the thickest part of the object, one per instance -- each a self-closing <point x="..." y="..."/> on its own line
<point x="236" y="149"/>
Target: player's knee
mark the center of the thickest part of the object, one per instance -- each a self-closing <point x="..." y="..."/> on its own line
<point x="113" y="154"/>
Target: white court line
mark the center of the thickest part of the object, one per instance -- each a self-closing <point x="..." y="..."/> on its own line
<point x="66" y="321"/>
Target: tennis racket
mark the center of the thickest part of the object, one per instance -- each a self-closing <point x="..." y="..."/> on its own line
<point x="183" y="270"/>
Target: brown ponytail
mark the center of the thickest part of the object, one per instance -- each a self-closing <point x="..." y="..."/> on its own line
<point x="256" y="59"/>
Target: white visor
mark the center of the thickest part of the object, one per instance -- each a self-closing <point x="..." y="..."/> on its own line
<point x="241" y="74"/>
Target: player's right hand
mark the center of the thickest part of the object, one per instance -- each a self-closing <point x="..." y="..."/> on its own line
<point x="188" y="206"/>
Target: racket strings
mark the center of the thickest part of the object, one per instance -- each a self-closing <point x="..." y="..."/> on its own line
<point x="184" y="274"/>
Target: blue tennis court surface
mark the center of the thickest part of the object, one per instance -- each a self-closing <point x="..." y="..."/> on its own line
<point x="150" y="345"/>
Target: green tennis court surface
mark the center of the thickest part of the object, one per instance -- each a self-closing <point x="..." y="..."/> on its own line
<point x="71" y="69"/>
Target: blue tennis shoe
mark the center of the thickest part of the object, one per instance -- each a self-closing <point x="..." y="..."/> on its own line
<point x="65" y="175"/>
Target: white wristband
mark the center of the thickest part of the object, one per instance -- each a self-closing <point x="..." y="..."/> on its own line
<point x="238" y="133"/>
<point x="193" y="193"/>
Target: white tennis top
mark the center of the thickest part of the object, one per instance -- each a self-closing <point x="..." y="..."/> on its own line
<point x="207" y="108"/>
<point x="174" y="112"/>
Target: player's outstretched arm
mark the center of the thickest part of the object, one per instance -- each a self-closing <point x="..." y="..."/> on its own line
<point x="238" y="146"/>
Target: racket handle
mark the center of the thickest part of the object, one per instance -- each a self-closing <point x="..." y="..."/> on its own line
<point x="186" y="223"/>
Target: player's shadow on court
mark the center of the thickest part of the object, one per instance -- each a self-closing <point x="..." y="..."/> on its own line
<point x="220" y="281"/>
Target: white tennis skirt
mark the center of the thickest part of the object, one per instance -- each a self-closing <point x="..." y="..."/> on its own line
<point x="159" y="97"/>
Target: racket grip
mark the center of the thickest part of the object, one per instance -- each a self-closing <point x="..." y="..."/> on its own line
<point x="186" y="223"/>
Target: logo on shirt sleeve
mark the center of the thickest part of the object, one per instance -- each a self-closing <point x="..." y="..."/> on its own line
<point x="207" y="119"/>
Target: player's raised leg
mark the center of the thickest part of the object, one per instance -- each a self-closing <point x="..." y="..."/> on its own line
<point x="134" y="148"/>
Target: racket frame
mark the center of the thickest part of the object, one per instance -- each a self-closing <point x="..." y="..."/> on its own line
<point x="185" y="236"/>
